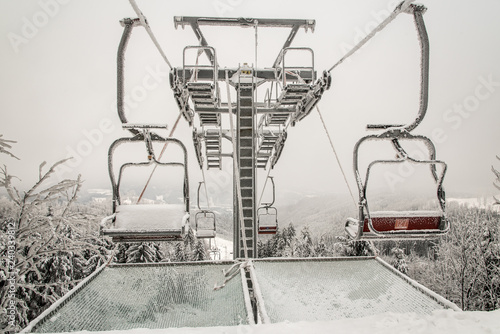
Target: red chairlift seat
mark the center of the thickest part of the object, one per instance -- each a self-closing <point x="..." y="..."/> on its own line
<point x="267" y="217"/>
<point x="399" y="224"/>
<point x="384" y="221"/>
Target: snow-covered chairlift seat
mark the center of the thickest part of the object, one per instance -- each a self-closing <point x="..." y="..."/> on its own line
<point x="147" y="222"/>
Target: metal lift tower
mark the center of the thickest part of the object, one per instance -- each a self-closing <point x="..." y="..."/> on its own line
<point x="261" y="124"/>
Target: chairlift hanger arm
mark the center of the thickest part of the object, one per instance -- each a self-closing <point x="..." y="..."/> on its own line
<point x="417" y="11"/>
<point x="128" y="25"/>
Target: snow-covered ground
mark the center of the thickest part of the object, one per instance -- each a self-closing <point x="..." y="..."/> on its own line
<point x="442" y="322"/>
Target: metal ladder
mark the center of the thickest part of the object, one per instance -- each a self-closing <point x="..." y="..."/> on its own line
<point x="266" y="146"/>
<point x="213" y="148"/>
<point x="245" y="130"/>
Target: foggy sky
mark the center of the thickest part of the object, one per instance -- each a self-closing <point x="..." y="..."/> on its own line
<point x="58" y="83"/>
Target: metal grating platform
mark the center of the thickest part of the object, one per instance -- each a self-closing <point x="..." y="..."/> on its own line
<point x="326" y="289"/>
<point x="150" y="296"/>
<point x="155" y="296"/>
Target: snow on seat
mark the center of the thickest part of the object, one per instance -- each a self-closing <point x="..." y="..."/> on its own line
<point x="384" y="221"/>
<point x="203" y="234"/>
<point x="148" y="222"/>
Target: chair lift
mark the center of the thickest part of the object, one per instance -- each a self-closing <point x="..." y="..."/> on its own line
<point x="146" y="222"/>
<point x="205" y="222"/>
<point x="411" y="224"/>
<point x="267" y="215"/>
<point x="398" y="224"/>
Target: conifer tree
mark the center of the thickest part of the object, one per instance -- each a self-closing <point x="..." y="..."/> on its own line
<point x="399" y="261"/>
<point x="199" y="252"/>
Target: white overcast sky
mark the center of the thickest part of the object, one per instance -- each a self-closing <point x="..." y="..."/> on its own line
<point x="58" y="81"/>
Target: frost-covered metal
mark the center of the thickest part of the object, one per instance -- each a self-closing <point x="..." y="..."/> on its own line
<point x="291" y="92"/>
<point x="325" y="289"/>
<point x="163" y="295"/>
<point x="151" y="296"/>
<point x="205" y="222"/>
<point x="371" y="225"/>
<point x="135" y="223"/>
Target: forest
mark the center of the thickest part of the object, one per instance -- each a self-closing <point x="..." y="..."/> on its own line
<point x="49" y="242"/>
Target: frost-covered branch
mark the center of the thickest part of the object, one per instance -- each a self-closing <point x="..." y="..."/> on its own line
<point x="4" y="146"/>
<point x="73" y="197"/>
<point x="44" y="177"/>
<point x="5" y="181"/>
<point x="496" y="183"/>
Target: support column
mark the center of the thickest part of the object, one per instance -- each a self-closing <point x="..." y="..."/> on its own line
<point x="245" y="129"/>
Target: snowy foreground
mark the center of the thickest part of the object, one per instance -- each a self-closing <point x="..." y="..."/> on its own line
<point x="441" y="321"/>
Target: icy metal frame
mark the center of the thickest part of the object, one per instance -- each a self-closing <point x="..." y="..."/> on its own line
<point x="196" y="21"/>
<point x="298" y="69"/>
<point x="49" y="313"/>
<point x="213" y="61"/>
<point x="268" y="229"/>
<point x="148" y="138"/>
<point x="128" y="25"/>
<point x="115" y="183"/>
<point x="354" y="227"/>
<point x="395" y="133"/>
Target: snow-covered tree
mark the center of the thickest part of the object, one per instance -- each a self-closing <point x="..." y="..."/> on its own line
<point x="189" y="240"/>
<point x="347" y="247"/>
<point x="121" y="252"/>
<point x="399" y="260"/>
<point x="180" y="253"/>
<point x="144" y="252"/>
<point x="199" y="252"/>
<point x="467" y="270"/>
<point x="54" y="247"/>
<point x="305" y="247"/>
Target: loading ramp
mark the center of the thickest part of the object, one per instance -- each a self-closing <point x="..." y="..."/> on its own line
<point x="164" y="295"/>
